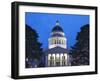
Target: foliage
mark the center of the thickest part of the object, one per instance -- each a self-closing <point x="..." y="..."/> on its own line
<point x="33" y="47"/>
<point x="80" y="51"/>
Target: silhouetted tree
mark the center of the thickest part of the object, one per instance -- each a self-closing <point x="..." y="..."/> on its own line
<point x="33" y="48"/>
<point x="80" y="51"/>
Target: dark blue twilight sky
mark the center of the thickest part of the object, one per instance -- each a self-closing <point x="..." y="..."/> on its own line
<point x="44" y="22"/>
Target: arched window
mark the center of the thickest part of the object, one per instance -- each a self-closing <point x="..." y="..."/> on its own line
<point x="52" y="41"/>
<point x="63" y="41"/>
<point x="59" y="41"/>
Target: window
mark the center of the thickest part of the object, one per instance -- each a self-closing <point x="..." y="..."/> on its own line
<point x="63" y="57"/>
<point x="64" y="42"/>
<point x="63" y="63"/>
<point x="57" y="63"/>
<point x="61" y="41"/>
<point x="51" y="61"/>
<point x="55" y="41"/>
<point x="51" y="57"/>
<point x="58" y="41"/>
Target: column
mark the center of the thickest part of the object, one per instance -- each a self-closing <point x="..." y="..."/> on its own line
<point x="66" y="59"/>
<point x="61" y="55"/>
<point x="53" y="59"/>
<point x="49" y="55"/>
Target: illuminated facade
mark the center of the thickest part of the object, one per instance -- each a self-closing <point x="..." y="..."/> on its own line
<point x="57" y="53"/>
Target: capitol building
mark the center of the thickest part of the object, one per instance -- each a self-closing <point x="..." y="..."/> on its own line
<point x="57" y="53"/>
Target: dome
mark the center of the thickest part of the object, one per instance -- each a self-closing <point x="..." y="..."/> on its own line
<point x="57" y="28"/>
<point x="57" y="35"/>
<point x="57" y="31"/>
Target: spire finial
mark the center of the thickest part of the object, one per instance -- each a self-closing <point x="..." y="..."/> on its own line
<point x="57" y="22"/>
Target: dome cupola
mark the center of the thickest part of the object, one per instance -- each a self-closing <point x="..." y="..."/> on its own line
<point x="57" y="28"/>
<point x="57" y="37"/>
<point x="57" y="31"/>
